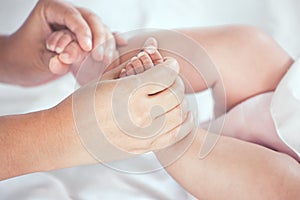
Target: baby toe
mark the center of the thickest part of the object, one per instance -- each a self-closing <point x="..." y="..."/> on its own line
<point x="146" y="60"/>
<point x="137" y="65"/>
<point x="151" y="42"/>
<point x="154" y="54"/>
<point x="122" y="73"/>
<point x="129" y="69"/>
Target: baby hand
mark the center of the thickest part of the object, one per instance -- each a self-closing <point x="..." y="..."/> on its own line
<point x="69" y="54"/>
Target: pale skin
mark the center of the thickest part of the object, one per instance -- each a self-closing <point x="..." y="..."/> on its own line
<point x="48" y="139"/>
<point x="36" y="64"/>
<point x="242" y="170"/>
<point x="150" y="56"/>
<point x="257" y="75"/>
<point x="278" y="175"/>
<point x="235" y="169"/>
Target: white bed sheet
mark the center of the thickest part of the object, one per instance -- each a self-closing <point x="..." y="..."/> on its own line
<point x="278" y="18"/>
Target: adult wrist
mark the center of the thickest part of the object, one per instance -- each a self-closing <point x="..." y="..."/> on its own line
<point x="72" y="152"/>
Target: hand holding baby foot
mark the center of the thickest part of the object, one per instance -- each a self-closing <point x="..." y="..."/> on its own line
<point x="137" y="114"/>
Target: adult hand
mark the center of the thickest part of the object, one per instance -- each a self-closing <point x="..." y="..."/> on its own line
<point x="135" y="114"/>
<point x="26" y="56"/>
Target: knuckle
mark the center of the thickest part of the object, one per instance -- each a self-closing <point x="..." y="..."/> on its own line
<point x="64" y="40"/>
<point x="80" y="28"/>
<point x="67" y="33"/>
<point x="101" y="33"/>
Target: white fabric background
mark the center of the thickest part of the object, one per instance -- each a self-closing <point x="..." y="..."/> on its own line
<point x="279" y="18"/>
<point x="286" y="105"/>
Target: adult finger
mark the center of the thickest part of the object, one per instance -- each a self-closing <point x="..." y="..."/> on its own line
<point x="110" y="48"/>
<point x="147" y="124"/>
<point x="173" y="136"/>
<point x="63" y="13"/>
<point x="97" y="28"/>
<point x="160" y="77"/>
<point x="169" y="98"/>
<point x="120" y="40"/>
<point x="104" y="49"/>
<point x="172" y="118"/>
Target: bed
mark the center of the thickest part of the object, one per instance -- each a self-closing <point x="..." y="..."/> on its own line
<point x="278" y="18"/>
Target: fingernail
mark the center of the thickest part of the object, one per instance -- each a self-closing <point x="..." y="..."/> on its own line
<point x="50" y="47"/>
<point x="89" y="43"/>
<point x="150" y="49"/>
<point x="141" y="54"/>
<point x="149" y="41"/>
<point x="58" y="50"/>
<point x="64" y="57"/>
<point x="134" y="58"/>
<point x="123" y="73"/>
<point x="109" y="53"/>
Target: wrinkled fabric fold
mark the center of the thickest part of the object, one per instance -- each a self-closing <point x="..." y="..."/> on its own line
<point x="285" y="108"/>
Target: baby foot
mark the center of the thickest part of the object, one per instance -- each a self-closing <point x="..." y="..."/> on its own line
<point x="147" y="58"/>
